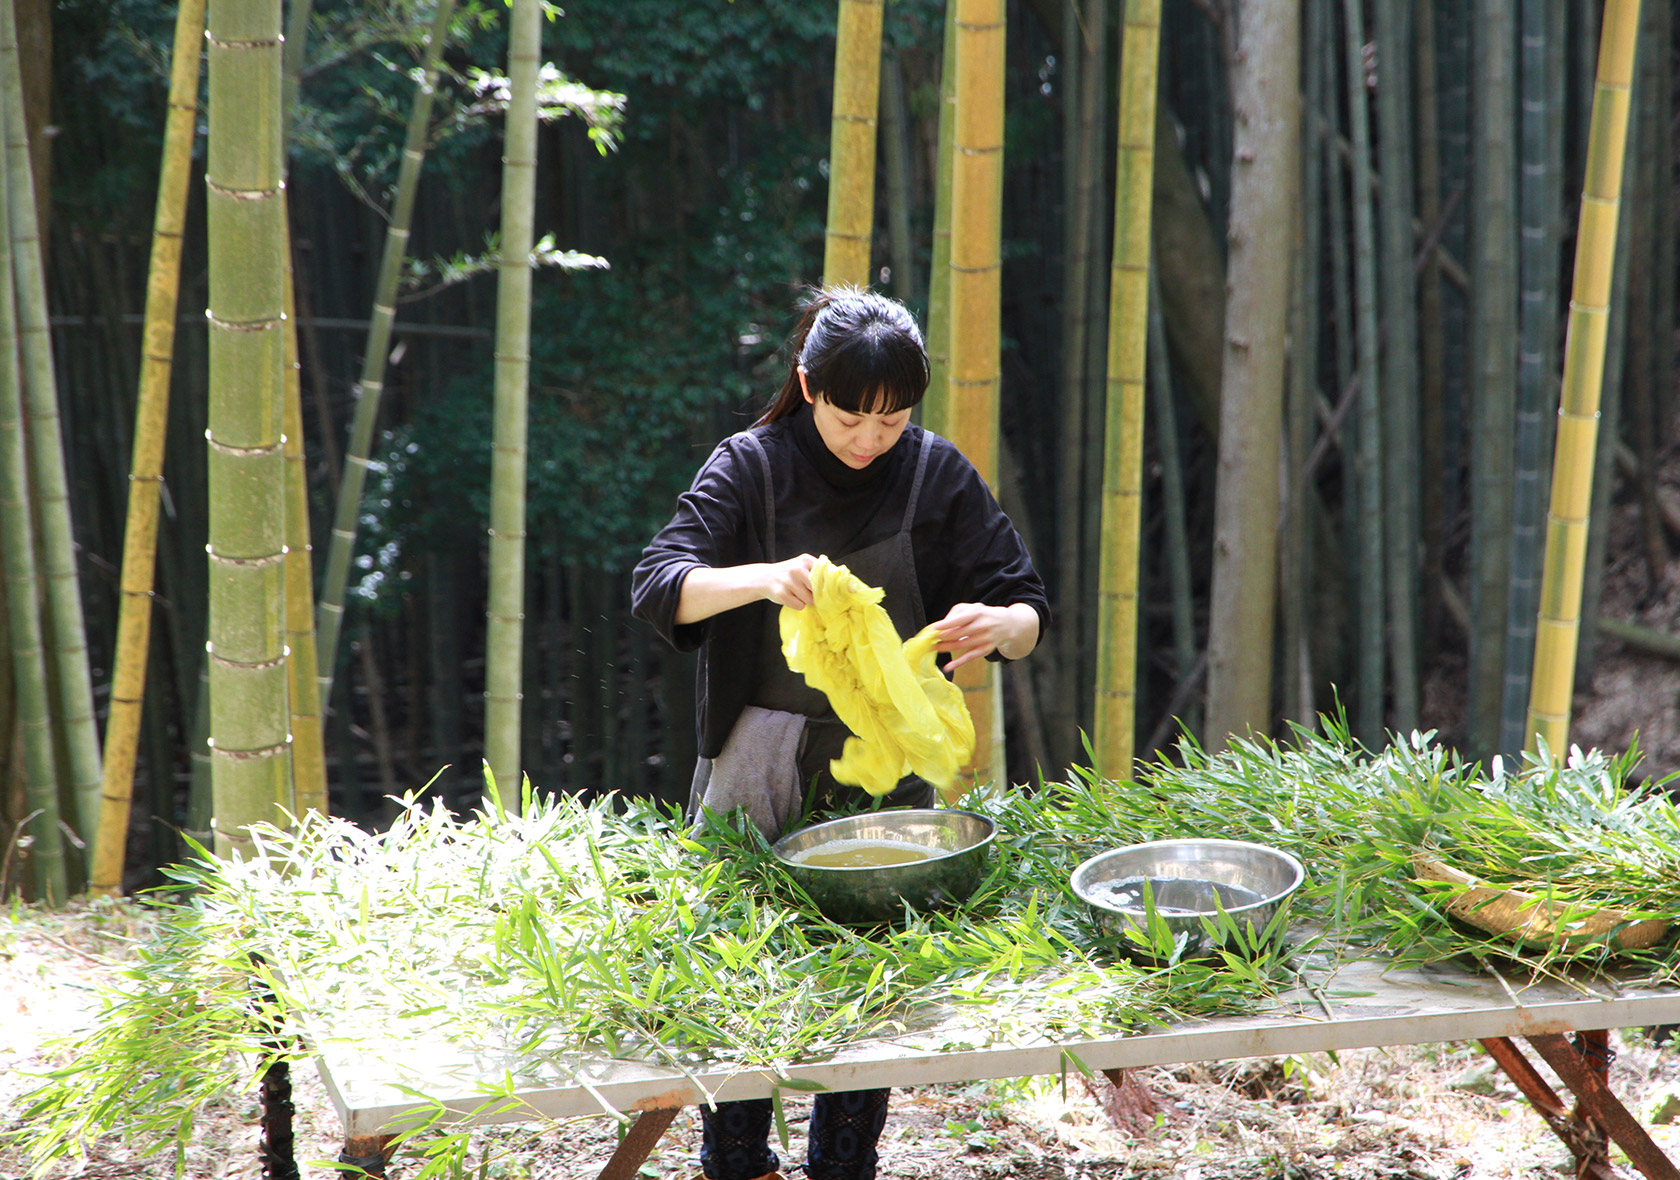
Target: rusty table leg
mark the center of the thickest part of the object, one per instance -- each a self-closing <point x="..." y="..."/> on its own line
<point x="1585" y="1076"/>
<point x="364" y="1155"/>
<point x="638" y="1142"/>
<point x="1587" y="1148"/>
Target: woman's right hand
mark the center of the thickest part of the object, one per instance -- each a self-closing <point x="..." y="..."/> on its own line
<point x="788" y="583"/>
<point x="707" y="591"/>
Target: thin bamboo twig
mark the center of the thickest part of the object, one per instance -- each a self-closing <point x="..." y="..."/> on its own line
<point x="346" y="519"/>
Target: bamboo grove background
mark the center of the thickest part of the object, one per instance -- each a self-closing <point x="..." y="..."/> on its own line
<point x="1355" y="268"/>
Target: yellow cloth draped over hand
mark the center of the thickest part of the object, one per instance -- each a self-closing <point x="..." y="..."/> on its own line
<point x="907" y="717"/>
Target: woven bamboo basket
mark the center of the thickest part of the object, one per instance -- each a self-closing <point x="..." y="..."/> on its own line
<point x="1532" y="920"/>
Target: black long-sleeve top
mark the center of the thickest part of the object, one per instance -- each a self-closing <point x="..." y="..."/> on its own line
<point x="965" y="547"/>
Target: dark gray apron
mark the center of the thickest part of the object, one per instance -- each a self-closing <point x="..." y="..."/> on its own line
<point x="889" y="564"/>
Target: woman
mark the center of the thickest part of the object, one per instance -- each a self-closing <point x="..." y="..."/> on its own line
<point x="834" y="467"/>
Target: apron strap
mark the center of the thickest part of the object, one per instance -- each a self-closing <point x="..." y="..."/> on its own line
<point x="916" y="484"/>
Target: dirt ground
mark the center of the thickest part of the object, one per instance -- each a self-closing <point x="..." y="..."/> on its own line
<point x="1433" y="1112"/>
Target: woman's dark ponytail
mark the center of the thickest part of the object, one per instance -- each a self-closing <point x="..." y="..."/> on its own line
<point x="861" y="351"/>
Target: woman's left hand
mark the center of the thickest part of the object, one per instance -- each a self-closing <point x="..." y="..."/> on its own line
<point x="973" y="631"/>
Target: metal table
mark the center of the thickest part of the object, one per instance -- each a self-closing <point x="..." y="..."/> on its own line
<point x="373" y="1075"/>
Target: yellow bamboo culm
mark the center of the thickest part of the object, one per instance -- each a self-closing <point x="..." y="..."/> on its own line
<point x="851" y="153"/>
<point x="1583" y="378"/>
<point x="1128" y="333"/>
<point x="139" y="560"/>
<point x="976" y="294"/>
<point x="309" y="753"/>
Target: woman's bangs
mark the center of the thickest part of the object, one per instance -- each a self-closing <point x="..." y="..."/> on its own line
<point x="894" y="382"/>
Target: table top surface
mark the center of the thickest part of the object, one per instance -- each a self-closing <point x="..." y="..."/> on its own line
<point x="378" y="1077"/>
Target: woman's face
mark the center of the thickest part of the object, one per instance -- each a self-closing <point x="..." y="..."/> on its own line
<point x="857" y="440"/>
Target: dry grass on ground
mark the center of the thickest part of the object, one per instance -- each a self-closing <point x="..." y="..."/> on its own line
<point x="1410" y="1113"/>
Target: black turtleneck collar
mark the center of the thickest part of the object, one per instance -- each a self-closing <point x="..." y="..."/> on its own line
<point x="828" y="465"/>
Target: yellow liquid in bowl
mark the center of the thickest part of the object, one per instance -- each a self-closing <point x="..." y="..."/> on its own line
<point x="863" y="854"/>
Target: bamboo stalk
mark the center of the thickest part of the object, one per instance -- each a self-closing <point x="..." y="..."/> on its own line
<point x="1368" y="490"/>
<point x="28" y="666"/>
<point x="1176" y="528"/>
<point x="1537" y="347"/>
<point x="1431" y="338"/>
<point x="851" y="152"/>
<point x="1494" y="367"/>
<point x="151" y="421"/>
<point x="309" y="754"/>
<point x="1265" y="94"/>
<point x="506" y="610"/>
<point x="1583" y="375"/>
<point x="1305" y="297"/>
<point x="976" y="272"/>
<point x="371" y="387"/>
<point x="65" y="632"/>
<point x="1399" y="394"/>
<point x="1608" y="442"/>
<point x="1083" y="36"/>
<point x="250" y="748"/>
<point x="900" y="192"/>
<point x="1114" y="729"/>
<point x="935" y="406"/>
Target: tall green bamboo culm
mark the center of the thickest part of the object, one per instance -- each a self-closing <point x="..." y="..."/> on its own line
<point x="506" y="610"/>
<point x="851" y="152"/>
<point x="1398" y="300"/>
<point x="1431" y="328"/>
<point x="1300" y="410"/>
<point x="935" y="406"/>
<point x="309" y="755"/>
<point x="1494" y="363"/>
<point x="1610" y="392"/>
<point x="1084" y="46"/>
<point x="1114" y="727"/>
<point x="145" y="481"/>
<point x="1175" y="523"/>
<point x="976" y="274"/>
<point x="250" y="756"/>
<point x="341" y="548"/>
<point x="901" y="245"/>
<point x="1368" y="422"/>
<point x="1583" y="375"/>
<point x="65" y="634"/>
<point x="1536" y="367"/>
<point x="1265" y="177"/>
<point x="23" y="619"/>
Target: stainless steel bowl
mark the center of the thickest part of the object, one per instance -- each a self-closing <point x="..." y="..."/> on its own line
<point x="1190" y="880"/>
<point x="863" y="896"/>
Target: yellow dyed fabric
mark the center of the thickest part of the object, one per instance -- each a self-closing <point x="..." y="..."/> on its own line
<point x="907" y="717"/>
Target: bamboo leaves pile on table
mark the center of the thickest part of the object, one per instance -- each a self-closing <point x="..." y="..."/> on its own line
<point x="613" y="929"/>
